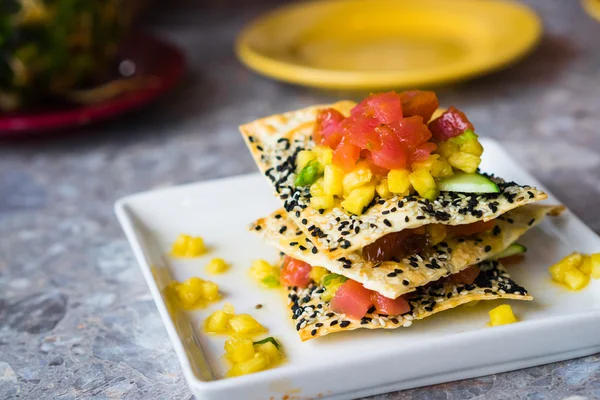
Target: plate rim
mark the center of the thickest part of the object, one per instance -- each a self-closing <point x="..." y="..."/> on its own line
<point x="360" y="80"/>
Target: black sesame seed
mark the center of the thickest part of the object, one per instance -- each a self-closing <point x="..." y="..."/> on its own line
<point x="496" y="230"/>
<point x="531" y="222"/>
<point x="392" y="274"/>
<point x="313" y="332"/>
<point x="405" y="282"/>
<point x="406" y="219"/>
<point x="344" y="324"/>
<point x="318" y="324"/>
<point x="421" y="217"/>
<point x="488" y="248"/>
<point x="283" y="229"/>
<point x="394" y="320"/>
<point x="333" y="323"/>
<point x="257" y="228"/>
<point x="259" y="148"/>
<point x="387" y="222"/>
<point x="314" y="250"/>
<point x="302" y="248"/>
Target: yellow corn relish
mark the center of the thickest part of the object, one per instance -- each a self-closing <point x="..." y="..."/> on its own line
<point x="574" y="271"/>
<point x="188" y="246"/>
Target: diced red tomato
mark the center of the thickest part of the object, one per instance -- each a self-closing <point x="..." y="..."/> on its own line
<point x="328" y="129"/>
<point x="471" y="229"/>
<point x="466" y="276"/>
<point x="451" y="123"/>
<point x="385" y="107"/>
<point x="411" y="131"/>
<point x="383" y="305"/>
<point x="352" y="299"/>
<point x="422" y="152"/>
<point x="416" y="102"/>
<point x="346" y="155"/>
<point x="295" y="273"/>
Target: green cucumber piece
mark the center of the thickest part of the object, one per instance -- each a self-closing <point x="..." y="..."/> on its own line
<point x="468" y="183"/>
<point x="309" y="174"/>
<point x="511" y="250"/>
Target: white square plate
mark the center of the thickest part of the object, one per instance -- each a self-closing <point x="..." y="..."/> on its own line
<point x="456" y="344"/>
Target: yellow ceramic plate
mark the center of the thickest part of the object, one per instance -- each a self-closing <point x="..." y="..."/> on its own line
<point x="354" y="44"/>
<point x="592" y="7"/>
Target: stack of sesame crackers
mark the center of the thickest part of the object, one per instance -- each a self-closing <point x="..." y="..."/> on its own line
<point x="334" y="239"/>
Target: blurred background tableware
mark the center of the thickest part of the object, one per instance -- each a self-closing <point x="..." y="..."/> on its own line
<point x="592" y="7"/>
<point x="380" y="44"/>
<point x="71" y="62"/>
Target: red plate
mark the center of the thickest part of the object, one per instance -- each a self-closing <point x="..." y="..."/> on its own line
<point x="152" y="57"/>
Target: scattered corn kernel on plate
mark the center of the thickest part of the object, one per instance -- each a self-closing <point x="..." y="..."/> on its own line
<point x="456" y="344"/>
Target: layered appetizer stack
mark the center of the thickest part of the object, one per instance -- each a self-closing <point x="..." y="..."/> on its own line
<point x="386" y="217"/>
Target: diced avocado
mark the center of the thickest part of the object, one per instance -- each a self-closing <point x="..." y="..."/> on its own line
<point x="309" y="174"/>
<point x="270" y="339"/>
<point x="511" y="250"/>
<point x="468" y="183"/>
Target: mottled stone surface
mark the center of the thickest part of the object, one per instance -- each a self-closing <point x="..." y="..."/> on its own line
<point x="76" y="318"/>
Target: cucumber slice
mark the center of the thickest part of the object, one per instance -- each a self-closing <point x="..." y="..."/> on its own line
<point x="468" y="183"/>
<point x="511" y="250"/>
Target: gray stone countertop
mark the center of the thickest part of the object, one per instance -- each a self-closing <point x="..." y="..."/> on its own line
<point x="76" y="318"/>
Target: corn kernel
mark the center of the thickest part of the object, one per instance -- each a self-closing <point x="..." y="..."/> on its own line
<point x="358" y="199"/>
<point x="324" y="154"/>
<point x="382" y="189"/>
<point x="260" y="269"/>
<point x="574" y="279"/>
<point x="303" y="158"/>
<point x="209" y="290"/>
<point x="398" y="181"/>
<point x="218" y="322"/>
<point x="245" y="324"/>
<point x="424" y="184"/>
<point x="316" y="189"/>
<point x="217" y="266"/>
<point x="190" y="291"/>
<point x="318" y="273"/>
<point x="332" y="180"/>
<point x="259" y="362"/>
<point x="360" y="176"/>
<point x="269" y="348"/>
<point x="595" y="265"/>
<point x="324" y="202"/>
<point x="502" y="315"/>
<point x="569" y="262"/>
<point x="188" y="246"/>
<point x="239" y="349"/>
<point x="465" y="162"/>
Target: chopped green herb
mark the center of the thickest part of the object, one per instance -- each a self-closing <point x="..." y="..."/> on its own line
<point x="309" y="174"/>
<point x="329" y="279"/>
<point x="271" y="281"/>
<point x="269" y="339"/>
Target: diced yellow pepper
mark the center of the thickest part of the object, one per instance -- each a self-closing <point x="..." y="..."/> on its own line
<point x="358" y="199"/>
<point x="502" y="315"/>
<point x="259" y="362"/>
<point x="245" y="324"/>
<point x="595" y="265"/>
<point x="218" y="322"/>
<point x="323" y="202"/>
<point x="209" y="290"/>
<point x="269" y="348"/>
<point x="332" y="180"/>
<point x="239" y="349"/>
<point x="424" y="184"/>
<point x="465" y="162"/>
<point x="574" y="279"/>
<point x="398" y="181"/>
<point x="360" y="176"/>
<point x="190" y="291"/>
<point x="569" y="262"/>
<point x="437" y="233"/>
<point x="303" y="158"/>
<point x="318" y="273"/>
<point x="217" y="266"/>
<point x="261" y="269"/>
<point x="382" y="189"/>
<point x="324" y="154"/>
